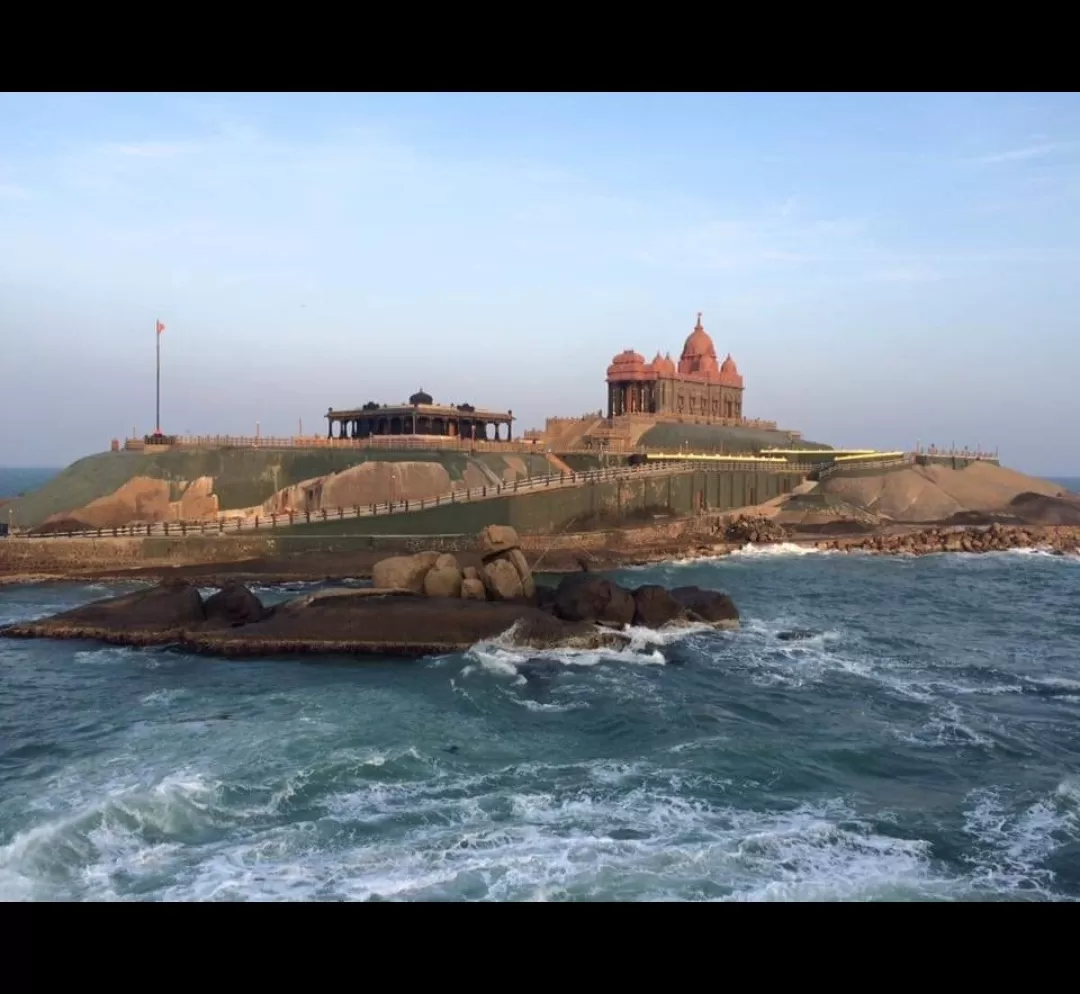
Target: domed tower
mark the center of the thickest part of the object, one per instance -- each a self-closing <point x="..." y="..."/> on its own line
<point x="698" y="354"/>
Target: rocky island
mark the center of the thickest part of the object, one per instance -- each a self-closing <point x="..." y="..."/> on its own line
<point x="422" y="604"/>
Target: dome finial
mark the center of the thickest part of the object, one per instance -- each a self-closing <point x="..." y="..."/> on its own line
<point x="698" y="325"/>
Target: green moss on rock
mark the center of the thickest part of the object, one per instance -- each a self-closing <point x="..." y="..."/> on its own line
<point x="718" y="438"/>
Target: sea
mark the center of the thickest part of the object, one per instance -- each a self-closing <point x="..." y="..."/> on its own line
<point x="917" y="742"/>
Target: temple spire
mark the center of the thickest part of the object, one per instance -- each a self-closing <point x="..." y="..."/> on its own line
<point x="698" y="326"/>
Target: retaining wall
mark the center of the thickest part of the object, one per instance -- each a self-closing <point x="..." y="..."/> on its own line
<point x="602" y="512"/>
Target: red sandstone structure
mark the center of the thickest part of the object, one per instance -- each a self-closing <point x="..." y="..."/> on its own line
<point x="700" y="387"/>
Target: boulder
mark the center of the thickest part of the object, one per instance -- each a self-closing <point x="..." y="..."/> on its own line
<point x="447" y="561"/>
<point x="711" y="606"/>
<point x="233" y="605"/>
<point x="584" y="597"/>
<point x="470" y="573"/>
<point x="654" y="607"/>
<point x="502" y="581"/>
<point x="443" y="581"/>
<point x="473" y="589"/>
<point x="403" y="572"/>
<point x="497" y="538"/>
<point x="517" y="559"/>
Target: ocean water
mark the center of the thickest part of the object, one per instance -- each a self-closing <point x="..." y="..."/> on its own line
<point x="922" y="744"/>
<point x="18" y="480"/>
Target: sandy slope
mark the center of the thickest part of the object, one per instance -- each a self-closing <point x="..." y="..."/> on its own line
<point x="934" y="493"/>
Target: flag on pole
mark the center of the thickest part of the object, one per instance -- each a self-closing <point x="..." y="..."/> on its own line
<point x="160" y="327"/>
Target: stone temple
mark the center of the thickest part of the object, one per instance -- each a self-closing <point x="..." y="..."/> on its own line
<point x="699" y="387"/>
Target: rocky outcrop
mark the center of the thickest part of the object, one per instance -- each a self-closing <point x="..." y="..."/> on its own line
<point x="422" y="604"/>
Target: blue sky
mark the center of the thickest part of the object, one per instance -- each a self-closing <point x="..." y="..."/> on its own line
<point x="885" y="268"/>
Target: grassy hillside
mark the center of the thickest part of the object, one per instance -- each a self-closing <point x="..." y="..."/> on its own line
<point x="716" y="438"/>
<point x="242" y="477"/>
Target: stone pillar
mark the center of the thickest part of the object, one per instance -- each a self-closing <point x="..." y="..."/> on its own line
<point x="329" y="428"/>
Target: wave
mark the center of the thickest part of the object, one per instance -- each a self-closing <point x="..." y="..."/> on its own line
<point x="622" y="832"/>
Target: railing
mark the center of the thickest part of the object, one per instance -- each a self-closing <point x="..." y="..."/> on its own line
<point x="284" y="519"/>
<point x="976" y="454"/>
<point x="826" y="470"/>
<point x="410" y="442"/>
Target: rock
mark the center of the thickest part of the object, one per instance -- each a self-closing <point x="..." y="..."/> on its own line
<point x="584" y="597"/>
<point x="545" y="598"/>
<point x="155" y="614"/>
<point x="234" y="605"/>
<point x="542" y="631"/>
<point x="654" y="607"/>
<point x="443" y="581"/>
<point x="497" y="538"/>
<point x="517" y="559"/>
<point x="470" y="573"/>
<point x="473" y="589"/>
<point x="795" y="635"/>
<point x="447" y="561"/>
<point x="403" y="572"/>
<point x="502" y="581"/>
<point x="710" y="606"/>
<point x="755" y="529"/>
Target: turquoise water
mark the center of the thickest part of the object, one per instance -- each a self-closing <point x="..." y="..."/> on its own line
<point x="922" y="745"/>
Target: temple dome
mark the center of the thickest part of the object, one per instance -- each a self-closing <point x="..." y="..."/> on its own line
<point x="699" y="344"/>
<point x="420" y="398"/>
<point x="664" y="365"/>
<point x="728" y="365"/>
<point x="628" y="364"/>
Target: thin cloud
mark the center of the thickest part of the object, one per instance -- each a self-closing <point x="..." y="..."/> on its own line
<point x="152" y="150"/>
<point x="1023" y="154"/>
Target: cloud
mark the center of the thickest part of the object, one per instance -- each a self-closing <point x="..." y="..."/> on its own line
<point x="152" y="150"/>
<point x="904" y="274"/>
<point x="1023" y="154"/>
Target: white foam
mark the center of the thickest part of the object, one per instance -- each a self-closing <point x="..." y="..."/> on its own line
<point x="502" y="658"/>
<point x="1011" y="846"/>
<point x="752" y="551"/>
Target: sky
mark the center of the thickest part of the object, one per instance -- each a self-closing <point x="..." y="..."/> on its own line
<point x="885" y="268"/>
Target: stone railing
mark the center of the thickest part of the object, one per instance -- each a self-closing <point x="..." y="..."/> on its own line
<point x="284" y="519"/>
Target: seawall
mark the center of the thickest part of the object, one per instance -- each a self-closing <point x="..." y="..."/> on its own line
<point x="588" y="516"/>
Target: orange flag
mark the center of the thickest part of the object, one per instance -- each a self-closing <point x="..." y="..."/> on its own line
<point x="160" y="327"/>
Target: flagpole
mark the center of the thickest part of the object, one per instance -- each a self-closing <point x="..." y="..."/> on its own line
<point x="157" y="419"/>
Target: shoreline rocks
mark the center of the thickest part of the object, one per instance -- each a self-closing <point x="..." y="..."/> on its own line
<point x="937" y="539"/>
